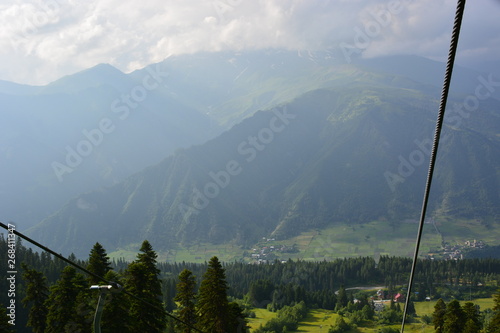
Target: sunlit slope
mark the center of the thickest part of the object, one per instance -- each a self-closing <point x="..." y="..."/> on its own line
<point x="350" y="154"/>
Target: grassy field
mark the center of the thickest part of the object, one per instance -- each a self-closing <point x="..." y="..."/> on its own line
<point x="198" y="253"/>
<point x="381" y="238"/>
<point x="372" y="239"/>
<point x="427" y="308"/>
<point x="262" y="316"/>
<point x="341" y="241"/>
<point x="319" y="320"/>
<point x="454" y="231"/>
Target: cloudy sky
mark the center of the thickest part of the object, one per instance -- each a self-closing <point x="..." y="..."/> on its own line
<point x="43" y="40"/>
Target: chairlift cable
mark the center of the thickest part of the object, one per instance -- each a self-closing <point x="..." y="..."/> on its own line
<point x="60" y="256"/>
<point x="439" y="125"/>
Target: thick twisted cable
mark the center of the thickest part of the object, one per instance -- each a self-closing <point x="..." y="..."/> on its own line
<point x="439" y="125"/>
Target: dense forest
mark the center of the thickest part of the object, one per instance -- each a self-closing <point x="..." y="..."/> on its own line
<point x="52" y="296"/>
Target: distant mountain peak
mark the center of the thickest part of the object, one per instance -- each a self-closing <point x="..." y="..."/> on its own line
<point x="101" y="70"/>
<point x="101" y="74"/>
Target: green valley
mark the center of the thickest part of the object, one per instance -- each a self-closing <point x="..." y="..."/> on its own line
<point x="294" y="169"/>
<point x="232" y="166"/>
<point x="320" y="320"/>
<point x="372" y="239"/>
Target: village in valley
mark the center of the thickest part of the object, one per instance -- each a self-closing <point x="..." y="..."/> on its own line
<point x="457" y="251"/>
<point x="269" y="249"/>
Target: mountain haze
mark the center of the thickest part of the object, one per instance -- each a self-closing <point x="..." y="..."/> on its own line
<point x="148" y="114"/>
<point x="351" y="153"/>
<point x="78" y="134"/>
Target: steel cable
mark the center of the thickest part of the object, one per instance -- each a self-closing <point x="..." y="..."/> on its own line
<point x="439" y="125"/>
<point x="83" y="269"/>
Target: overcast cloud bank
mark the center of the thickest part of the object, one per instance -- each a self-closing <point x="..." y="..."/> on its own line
<point x="41" y="41"/>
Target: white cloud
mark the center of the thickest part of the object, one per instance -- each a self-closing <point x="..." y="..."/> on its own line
<point x="41" y="41"/>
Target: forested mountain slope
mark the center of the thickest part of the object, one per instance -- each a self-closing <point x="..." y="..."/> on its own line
<point x="347" y="154"/>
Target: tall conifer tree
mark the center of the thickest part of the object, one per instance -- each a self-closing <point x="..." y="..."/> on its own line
<point x="472" y="320"/>
<point x="237" y="321"/>
<point x="185" y="299"/>
<point x="37" y="293"/>
<point x="64" y="312"/>
<point x="213" y="306"/>
<point x="116" y="314"/>
<point x="5" y="327"/>
<point x="142" y="280"/>
<point x="99" y="263"/>
<point x="342" y="299"/>
<point x="438" y="315"/>
<point x="494" y="324"/>
<point x="454" y="318"/>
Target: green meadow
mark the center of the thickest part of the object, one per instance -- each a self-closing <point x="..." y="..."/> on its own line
<point x="198" y="253"/>
<point x="427" y="308"/>
<point x="340" y="241"/>
<point x="262" y="316"/>
<point x="319" y="320"/>
<point x="371" y="239"/>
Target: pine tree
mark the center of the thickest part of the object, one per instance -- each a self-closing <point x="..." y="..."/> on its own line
<point x="454" y="318"/>
<point x="367" y="312"/>
<point x="340" y="326"/>
<point x="237" y="321"/>
<point x="84" y="307"/>
<point x="185" y="299"/>
<point x="99" y="263"/>
<point x="64" y="312"/>
<point x="213" y="307"/>
<point x="169" y="291"/>
<point x="260" y="293"/>
<point x="411" y="309"/>
<point x="5" y="327"/>
<point x="116" y="316"/>
<point x="472" y="320"/>
<point x="471" y="327"/>
<point x="36" y="296"/>
<point x="171" y="325"/>
<point x="438" y="315"/>
<point x="342" y="297"/>
<point x="142" y="280"/>
<point x="494" y="324"/>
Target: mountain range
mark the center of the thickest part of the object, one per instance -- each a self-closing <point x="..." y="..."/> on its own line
<point x="82" y="132"/>
<point x="297" y="142"/>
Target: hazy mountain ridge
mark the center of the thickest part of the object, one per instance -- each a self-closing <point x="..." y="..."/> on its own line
<point x="78" y="134"/>
<point x="190" y="96"/>
<point x="195" y="94"/>
<point x="325" y="162"/>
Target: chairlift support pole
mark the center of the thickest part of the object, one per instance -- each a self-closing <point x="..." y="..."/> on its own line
<point x="104" y="290"/>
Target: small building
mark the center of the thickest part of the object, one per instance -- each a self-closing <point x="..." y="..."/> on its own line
<point x="398" y="298"/>
<point x="381" y="294"/>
